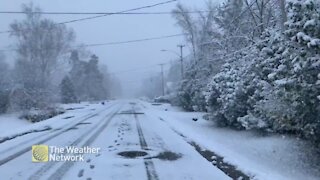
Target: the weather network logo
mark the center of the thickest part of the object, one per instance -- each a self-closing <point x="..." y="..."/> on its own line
<point x="40" y="153"/>
<point x="45" y="153"/>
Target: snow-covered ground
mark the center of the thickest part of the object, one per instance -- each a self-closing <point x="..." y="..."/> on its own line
<point x="140" y="140"/>
<point x="261" y="157"/>
<point x="11" y="121"/>
<point x="11" y="124"/>
<point x="133" y="146"/>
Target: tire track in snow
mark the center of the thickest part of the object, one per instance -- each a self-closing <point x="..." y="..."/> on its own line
<point x="149" y="165"/>
<point x="65" y="167"/>
<point x="28" y="148"/>
<point x="45" y="168"/>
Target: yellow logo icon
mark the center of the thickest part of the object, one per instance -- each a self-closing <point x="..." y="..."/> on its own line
<point x="40" y="153"/>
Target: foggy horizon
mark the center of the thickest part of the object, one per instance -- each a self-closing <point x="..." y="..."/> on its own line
<point x="114" y="28"/>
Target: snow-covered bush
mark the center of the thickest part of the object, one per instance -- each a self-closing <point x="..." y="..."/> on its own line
<point x="302" y="85"/>
<point x="37" y="115"/>
<point x="274" y="85"/>
<point x="190" y="94"/>
<point x="230" y="99"/>
<point x="291" y="68"/>
<point x="191" y="97"/>
<point x="233" y="93"/>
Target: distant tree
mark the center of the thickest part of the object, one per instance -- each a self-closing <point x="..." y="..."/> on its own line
<point x="67" y="91"/>
<point x="200" y="30"/>
<point x="188" y="26"/>
<point x="204" y="35"/>
<point x="4" y="84"/>
<point x="77" y="74"/>
<point x="40" y="44"/>
<point x="94" y="80"/>
<point x="89" y="82"/>
<point x="106" y="79"/>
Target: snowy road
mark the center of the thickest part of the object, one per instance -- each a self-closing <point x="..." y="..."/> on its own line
<point x="134" y="145"/>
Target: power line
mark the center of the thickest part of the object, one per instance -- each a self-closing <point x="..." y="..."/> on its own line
<point x="137" y="69"/>
<point x="98" y="16"/>
<point x="132" y="41"/>
<point x="104" y="13"/>
<point x="119" y="42"/>
<point x="125" y="11"/>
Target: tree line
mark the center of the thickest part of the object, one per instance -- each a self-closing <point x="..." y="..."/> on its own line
<point x="255" y="65"/>
<point x="48" y="67"/>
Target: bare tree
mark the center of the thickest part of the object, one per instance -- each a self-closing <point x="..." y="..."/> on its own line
<point x="40" y="44"/>
<point x="4" y="84"/>
<point x="188" y="25"/>
<point x="201" y="30"/>
<point x="208" y="33"/>
<point x="262" y="14"/>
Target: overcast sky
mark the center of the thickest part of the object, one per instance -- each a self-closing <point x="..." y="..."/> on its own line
<point x="118" y="58"/>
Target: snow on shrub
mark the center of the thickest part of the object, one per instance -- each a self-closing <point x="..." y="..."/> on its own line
<point x="37" y="115"/>
<point x="275" y="85"/>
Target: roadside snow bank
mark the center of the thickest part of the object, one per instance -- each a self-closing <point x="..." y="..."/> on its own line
<point x="10" y="121"/>
<point x="11" y="126"/>
<point x="263" y="157"/>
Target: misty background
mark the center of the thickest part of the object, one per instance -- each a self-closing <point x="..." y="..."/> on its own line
<point x="130" y="63"/>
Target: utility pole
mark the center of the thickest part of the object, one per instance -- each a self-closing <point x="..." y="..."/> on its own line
<point x="181" y="59"/>
<point x="162" y="78"/>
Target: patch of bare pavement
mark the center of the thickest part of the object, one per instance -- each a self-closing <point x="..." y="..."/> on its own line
<point x="219" y="162"/>
<point x="215" y="159"/>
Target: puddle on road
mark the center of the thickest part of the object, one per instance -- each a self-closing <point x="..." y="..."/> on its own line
<point x="133" y="154"/>
<point x="168" y="156"/>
